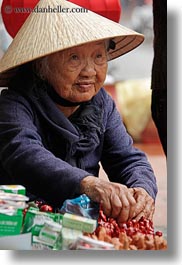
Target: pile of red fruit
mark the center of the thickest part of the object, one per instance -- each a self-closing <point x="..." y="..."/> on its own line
<point x="131" y="227"/>
<point x="131" y="235"/>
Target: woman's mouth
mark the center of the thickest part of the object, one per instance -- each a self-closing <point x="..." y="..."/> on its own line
<point x="84" y="87"/>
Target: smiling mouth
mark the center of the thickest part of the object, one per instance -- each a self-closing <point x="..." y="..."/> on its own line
<point x="85" y="86"/>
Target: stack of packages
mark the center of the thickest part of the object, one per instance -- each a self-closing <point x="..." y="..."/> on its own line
<point x="79" y="224"/>
<point x="61" y="232"/>
<point x="67" y="228"/>
<point x="12" y="204"/>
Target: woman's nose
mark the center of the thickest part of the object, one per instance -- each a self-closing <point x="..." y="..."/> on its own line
<point x="88" y="68"/>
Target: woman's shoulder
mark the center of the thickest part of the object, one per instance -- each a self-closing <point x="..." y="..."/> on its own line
<point x="103" y="97"/>
<point x="13" y="100"/>
<point x="7" y="94"/>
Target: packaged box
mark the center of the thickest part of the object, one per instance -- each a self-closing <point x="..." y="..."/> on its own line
<point x="79" y="223"/>
<point x="38" y="244"/>
<point x="35" y="220"/>
<point x="50" y="233"/>
<point x="68" y="237"/>
<point x="11" y="224"/>
<point x="18" y="189"/>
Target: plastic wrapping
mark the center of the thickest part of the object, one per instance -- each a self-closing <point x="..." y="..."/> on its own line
<point x="81" y="206"/>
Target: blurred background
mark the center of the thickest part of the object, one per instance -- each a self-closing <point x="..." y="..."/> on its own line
<point x="137" y="15"/>
<point x="129" y="83"/>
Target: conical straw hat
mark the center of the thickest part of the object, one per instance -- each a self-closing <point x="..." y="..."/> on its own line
<point x="45" y="32"/>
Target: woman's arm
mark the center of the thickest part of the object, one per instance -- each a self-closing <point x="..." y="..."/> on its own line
<point x="122" y="162"/>
<point x="25" y="159"/>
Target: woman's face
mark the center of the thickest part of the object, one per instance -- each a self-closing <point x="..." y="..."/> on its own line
<point x="78" y="73"/>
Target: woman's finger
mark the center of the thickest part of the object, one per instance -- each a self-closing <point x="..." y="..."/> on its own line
<point x="106" y="205"/>
<point x="149" y="209"/>
<point x="126" y="208"/>
<point x="141" y="199"/>
<point x="116" y="205"/>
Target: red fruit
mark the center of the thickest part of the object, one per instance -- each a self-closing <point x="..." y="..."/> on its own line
<point x="141" y="223"/>
<point x="46" y="208"/>
<point x="142" y="229"/>
<point x="150" y="232"/>
<point x="124" y="226"/>
<point x="130" y="231"/>
<point x="158" y="233"/>
<point x="122" y="230"/>
<point x="130" y="224"/>
<point x="142" y="219"/>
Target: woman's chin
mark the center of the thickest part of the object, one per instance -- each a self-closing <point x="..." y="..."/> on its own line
<point x="83" y="98"/>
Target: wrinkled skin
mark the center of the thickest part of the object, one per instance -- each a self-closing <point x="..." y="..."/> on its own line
<point x="117" y="200"/>
<point x="78" y="73"/>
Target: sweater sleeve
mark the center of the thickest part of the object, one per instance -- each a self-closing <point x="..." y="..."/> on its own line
<point x="122" y="162"/>
<point x="25" y="159"/>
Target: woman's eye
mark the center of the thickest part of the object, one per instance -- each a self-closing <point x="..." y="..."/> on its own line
<point x="74" y="60"/>
<point x="100" y="58"/>
<point x="74" y="57"/>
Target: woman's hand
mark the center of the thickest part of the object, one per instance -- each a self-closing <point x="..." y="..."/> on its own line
<point x="117" y="200"/>
<point x="145" y="205"/>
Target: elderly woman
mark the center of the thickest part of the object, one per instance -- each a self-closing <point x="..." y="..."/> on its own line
<point x="57" y="123"/>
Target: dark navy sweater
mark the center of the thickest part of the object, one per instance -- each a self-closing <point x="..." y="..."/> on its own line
<point x="50" y="154"/>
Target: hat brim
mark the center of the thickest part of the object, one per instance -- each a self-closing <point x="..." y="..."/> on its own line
<point x="45" y="33"/>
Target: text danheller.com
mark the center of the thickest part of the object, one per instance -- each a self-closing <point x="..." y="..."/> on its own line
<point x="49" y="9"/>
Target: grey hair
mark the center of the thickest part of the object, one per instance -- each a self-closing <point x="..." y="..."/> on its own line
<point x="108" y="47"/>
<point x="41" y="67"/>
